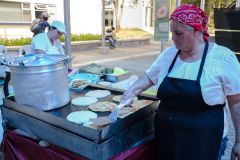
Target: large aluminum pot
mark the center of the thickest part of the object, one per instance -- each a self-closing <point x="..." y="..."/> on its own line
<point x="40" y="80"/>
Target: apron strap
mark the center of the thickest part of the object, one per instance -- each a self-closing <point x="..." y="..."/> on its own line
<point x="174" y="60"/>
<point x="202" y="62"/>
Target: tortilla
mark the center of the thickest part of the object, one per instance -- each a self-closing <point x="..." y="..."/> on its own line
<point x="102" y="106"/>
<point x="81" y="116"/>
<point x="84" y="101"/>
<point x="141" y="103"/>
<point x="137" y="104"/>
<point x="98" y="93"/>
<point x="125" y="111"/>
<point x="118" y="97"/>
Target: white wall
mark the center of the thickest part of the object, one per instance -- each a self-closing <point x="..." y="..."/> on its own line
<point x="85" y="16"/>
<point x="133" y="17"/>
<point x="59" y="10"/>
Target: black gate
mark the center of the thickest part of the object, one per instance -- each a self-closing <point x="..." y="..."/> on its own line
<point x="227" y="27"/>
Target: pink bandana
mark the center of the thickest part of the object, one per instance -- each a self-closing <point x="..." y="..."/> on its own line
<point x="193" y="16"/>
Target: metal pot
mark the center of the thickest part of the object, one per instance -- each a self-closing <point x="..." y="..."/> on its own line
<point x="40" y="80"/>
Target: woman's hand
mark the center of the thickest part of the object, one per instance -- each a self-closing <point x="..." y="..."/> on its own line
<point x="234" y="107"/>
<point x="127" y="95"/>
<point x="235" y="152"/>
<point x="140" y="85"/>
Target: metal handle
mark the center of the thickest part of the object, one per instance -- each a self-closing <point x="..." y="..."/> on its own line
<point x="121" y="105"/>
<point x="5" y="62"/>
<point x="67" y="60"/>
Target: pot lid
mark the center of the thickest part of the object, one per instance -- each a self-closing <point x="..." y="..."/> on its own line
<point x="39" y="59"/>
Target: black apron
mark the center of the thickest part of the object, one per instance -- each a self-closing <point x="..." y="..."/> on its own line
<point x="186" y="128"/>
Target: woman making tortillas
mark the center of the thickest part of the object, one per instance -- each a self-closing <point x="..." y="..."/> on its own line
<point x="196" y="80"/>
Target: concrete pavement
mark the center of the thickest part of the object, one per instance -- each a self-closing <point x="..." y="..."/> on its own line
<point x="97" y="56"/>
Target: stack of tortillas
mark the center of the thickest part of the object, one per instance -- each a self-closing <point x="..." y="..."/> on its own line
<point x="81" y="116"/>
<point x="84" y="101"/>
<point x="105" y="83"/>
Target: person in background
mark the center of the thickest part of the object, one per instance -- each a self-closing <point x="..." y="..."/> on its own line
<point x="195" y="79"/>
<point x="110" y="35"/>
<point x="44" y="23"/>
<point x="49" y="42"/>
<point x="39" y="25"/>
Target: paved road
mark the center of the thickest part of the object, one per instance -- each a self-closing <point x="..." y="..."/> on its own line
<point x="134" y="59"/>
<point x="135" y="64"/>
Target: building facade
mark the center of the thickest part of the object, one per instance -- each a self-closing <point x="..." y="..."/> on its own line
<point x="17" y="15"/>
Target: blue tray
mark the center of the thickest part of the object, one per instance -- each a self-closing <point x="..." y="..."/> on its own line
<point x="91" y="78"/>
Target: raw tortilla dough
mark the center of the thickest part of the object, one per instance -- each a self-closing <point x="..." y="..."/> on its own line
<point x="98" y="93"/>
<point x="84" y="101"/>
<point x="81" y="116"/>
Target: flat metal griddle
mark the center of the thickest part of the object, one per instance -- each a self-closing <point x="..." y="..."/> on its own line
<point x="88" y="142"/>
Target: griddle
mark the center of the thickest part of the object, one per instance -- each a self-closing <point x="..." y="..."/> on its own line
<point x="92" y="143"/>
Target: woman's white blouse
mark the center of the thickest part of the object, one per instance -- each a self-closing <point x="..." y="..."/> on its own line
<point x="220" y="75"/>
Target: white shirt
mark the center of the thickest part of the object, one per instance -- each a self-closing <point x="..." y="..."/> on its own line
<point x="42" y="42"/>
<point x="220" y="75"/>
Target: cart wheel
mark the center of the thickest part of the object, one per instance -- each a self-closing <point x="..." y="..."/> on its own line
<point x="44" y="143"/>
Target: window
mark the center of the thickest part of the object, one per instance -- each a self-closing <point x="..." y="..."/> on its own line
<point x="41" y="8"/>
<point x="26" y="12"/>
<point x="108" y="18"/>
<point x="15" y="11"/>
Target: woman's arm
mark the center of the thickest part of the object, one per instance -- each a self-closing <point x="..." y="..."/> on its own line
<point x="234" y="107"/>
<point x="139" y="86"/>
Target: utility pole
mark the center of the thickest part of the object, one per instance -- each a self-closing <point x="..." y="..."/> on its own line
<point x="238" y="4"/>
<point x="66" y="6"/>
<point x="103" y="48"/>
<point x="202" y="5"/>
<point x="103" y="23"/>
<point x="178" y="3"/>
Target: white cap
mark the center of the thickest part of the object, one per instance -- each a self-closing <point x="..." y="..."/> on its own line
<point x="59" y="26"/>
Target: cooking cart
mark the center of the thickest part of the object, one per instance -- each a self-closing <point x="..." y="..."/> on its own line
<point x="88" y="142"/>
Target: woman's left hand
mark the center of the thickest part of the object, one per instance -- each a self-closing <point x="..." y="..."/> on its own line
<point x="235" y="152"/>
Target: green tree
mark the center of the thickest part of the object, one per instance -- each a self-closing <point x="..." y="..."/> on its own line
<point x="209" y="6"/>
<point x="212" y="3"/>
<point x="118" y="11"/>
